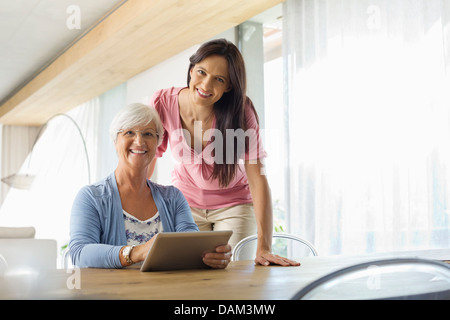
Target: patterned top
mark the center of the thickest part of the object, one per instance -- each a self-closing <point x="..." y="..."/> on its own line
<point x="97" y="230"/>
<point x="139" y="232"/>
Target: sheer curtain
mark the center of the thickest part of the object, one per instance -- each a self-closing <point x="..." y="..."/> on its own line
<point x="368" y="123"/>
<point x="60" y="168"/>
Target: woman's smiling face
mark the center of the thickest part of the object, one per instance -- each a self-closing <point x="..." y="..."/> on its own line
<point x="136" y="147"/>
<point x="209" y="80"/>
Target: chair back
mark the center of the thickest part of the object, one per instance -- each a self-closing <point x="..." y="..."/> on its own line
<point x="283" y="244"/>
<point x="66" y="261"/>
<point x="388" y="279"/>
<point x="17" y="232"/>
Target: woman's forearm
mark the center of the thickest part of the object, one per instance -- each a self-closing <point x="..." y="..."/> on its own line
<point x="262" y="203"/>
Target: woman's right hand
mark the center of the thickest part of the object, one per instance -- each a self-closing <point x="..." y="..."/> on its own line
<point x="138" y="253"/>
<point x="142" y="250"/>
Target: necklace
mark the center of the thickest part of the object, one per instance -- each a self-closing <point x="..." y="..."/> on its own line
<point x="190" y="107"/>
<point x="207" y="120"/>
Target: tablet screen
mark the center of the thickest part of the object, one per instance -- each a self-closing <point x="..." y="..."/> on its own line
<point x="182" y="250"/>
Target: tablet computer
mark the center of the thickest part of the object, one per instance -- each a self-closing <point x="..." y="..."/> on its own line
<point x="182" y="250"/>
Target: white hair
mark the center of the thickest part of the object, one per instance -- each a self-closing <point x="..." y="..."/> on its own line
<point x="135" y="115"/>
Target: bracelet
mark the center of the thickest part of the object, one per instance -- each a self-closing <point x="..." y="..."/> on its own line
<point x="126" y="254"/>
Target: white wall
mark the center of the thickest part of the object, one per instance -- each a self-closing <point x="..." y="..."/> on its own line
<point x="170" y="73"/>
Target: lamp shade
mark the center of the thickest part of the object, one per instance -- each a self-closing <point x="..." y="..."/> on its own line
<point x="19" y="181"/>
<point x="24" y="181"/>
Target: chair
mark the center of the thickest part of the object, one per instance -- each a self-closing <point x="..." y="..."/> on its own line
<point x="17" y="232"/>
<point x="66" y="261"/>
<point x="283" y="244"/>
<point x="29" y="254"/>
<point x="388" y="279"/>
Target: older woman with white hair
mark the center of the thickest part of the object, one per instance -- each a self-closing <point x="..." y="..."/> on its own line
<point x="113" y="221"/>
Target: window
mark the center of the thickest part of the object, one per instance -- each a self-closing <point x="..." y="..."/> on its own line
<point x="368" y="123"/>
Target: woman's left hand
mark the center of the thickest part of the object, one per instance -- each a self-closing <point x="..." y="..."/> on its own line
<point x="218" y="259"/>
<point x="266" y="258"/>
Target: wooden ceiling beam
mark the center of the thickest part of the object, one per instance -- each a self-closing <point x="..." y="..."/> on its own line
<point x="136" y="36"/>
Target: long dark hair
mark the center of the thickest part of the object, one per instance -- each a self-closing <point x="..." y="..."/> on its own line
<point x="229" y="110"/>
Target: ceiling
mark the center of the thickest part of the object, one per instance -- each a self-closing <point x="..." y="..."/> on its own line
<point x="55" y="55"/>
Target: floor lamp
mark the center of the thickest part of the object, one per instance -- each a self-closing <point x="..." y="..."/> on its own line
<point x="24" y="181"/>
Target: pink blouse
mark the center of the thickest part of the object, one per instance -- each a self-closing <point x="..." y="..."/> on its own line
<point x="192" y="170"/>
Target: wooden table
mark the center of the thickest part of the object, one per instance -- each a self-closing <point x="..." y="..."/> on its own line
<point x="242" y="280"/>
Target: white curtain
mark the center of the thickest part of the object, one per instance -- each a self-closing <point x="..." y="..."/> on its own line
<point x="59" y="164"/>
<point x="368" y="123"/>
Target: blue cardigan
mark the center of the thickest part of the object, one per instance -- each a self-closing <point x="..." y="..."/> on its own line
<point x="97" y="228"/>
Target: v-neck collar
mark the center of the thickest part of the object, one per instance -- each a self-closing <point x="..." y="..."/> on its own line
<point x="180" y="126"/>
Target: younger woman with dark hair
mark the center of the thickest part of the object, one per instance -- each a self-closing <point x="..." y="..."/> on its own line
<point x="214" y="136"/>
